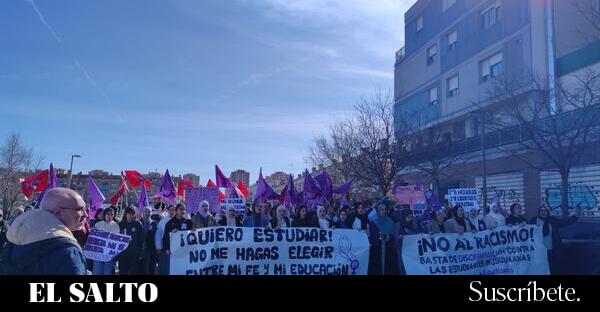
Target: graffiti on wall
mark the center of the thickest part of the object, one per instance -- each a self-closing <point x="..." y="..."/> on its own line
<point x="580" y="196"/>
<point x="505" y="197"/>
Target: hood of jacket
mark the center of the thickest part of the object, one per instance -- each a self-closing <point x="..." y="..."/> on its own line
<point x="35" y="226"/>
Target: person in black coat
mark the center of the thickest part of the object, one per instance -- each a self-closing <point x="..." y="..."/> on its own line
<point x="515" y="217"/>
<point x="302" y="219"/>
<point x="551" y="235"/>
<point x="130" y="260"/>
<point x="178" y="223"/>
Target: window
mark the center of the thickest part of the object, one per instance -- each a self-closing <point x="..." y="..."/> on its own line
<point x="419" y="24"/>
<point x="446" y="4"/>
<point x="433" y="96"/>
<point x="491" y="15"/>
<point x="492" y="66"/>
<point x="452" y="38"/>
<point x="453" y="86"/>
<point x="432" y="54"/>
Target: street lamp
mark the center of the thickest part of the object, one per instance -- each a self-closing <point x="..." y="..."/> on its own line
<point x="71" y="169"/>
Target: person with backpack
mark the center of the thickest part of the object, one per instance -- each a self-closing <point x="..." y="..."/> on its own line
<point x="41" y="241"/>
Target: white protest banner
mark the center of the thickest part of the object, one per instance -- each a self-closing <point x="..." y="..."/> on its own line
<point x="239" y="204"/>
<point x="193" y="197"/>
<point x="516" y="250"/>
<point x="104" y="246"/>
<point x="260" y="251"/>
<point x="466" y="197"/>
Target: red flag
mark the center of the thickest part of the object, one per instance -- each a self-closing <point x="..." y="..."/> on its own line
<point x="122" y="188"/>
<point x="135" y="179"/>
<point x="210" y="183"/>
<point x="282" y="196"/>
<point x="243" y="188"/>
<point x="34" y="183"/>
<point x="182" y="185"/>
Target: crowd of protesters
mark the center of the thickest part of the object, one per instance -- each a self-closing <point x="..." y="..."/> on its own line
<point x="385" y="223"/>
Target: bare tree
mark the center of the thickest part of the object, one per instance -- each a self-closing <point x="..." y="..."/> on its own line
<point x="362" y="146"/>
<point x="562" y="138"/>
<point x="589" y="25"/>
<point x="428" y="148"/>
<point x="15" y="159"/>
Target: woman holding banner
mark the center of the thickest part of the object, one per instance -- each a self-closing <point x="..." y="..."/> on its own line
<point x="324" y="223"/>
<point x="343" y="222"/>
<point x="203" y="218"/>
<point x="231" y="218"/>
<point x="280" y="221"/>
<point x="406" y="225"/>
<point x="301" y="219"/>
<point x="381" y="238"/>
<point x="459" y="224"/>
<point x="437" y="224"/>
<point x="515" y="217"/>
<point x="107" y="225"/>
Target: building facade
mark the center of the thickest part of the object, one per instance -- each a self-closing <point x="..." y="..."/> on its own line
<point x="454" y="53"/>
<point x="240" y="175"/>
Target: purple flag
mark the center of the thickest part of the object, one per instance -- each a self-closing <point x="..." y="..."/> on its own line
<point x="263" y="191"/>
<point x="167" y="189"/>
<point x="95" y="196"/>
<point x="222" y="180"/>
<point x="312" y="193"/>
<point x="53" y="180"/>
<point x="291" y="195"/>
<point x="52" y="183"/>
<point x="142" y="200"/>
<point x="344" y="188"/>
<point x="325" y="184"/>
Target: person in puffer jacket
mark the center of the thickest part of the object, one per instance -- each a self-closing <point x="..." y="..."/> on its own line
<point x="42" y="239"/>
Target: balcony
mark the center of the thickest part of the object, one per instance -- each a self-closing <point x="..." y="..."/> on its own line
<point x="399" y="55"/>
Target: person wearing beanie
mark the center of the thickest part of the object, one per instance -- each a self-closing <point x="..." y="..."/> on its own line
<point x="41" y="241"/>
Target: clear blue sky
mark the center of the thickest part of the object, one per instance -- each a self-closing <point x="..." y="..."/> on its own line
<point x="187" y="84"/>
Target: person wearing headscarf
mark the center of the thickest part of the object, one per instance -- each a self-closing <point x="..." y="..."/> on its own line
<point x="495" y="218"/>
<point x="203" y="218"/>
<point x="231" y="218"/>
<point x="477" y="221"/>
<point x="324" y="223"/>
<point x="281" y="221"/>
<point x="551" y="236"/>
<point x="458" y="223"/>
<point x="381" y="230"/>
<point x="436" y="224"/>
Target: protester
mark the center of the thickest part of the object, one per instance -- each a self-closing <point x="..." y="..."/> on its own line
<point x="3" y="229"/>
<point x="130" y="260"/>
<point x="107" y="225"/>
<point x="324" y="223"/>
<point x="301" y="219"/>
<point x="99" y="216"/>
<point x="41" y="242"/>
<point x="515" y="217"/>
<point x="16" y="212"/>
<point x="342" y="221"/>
<point x="203" y="218"/>
<point x="258" y="218"/>
<point x="280" y="221"/>
<point x="459" y="224"/>
<point x="436" y="224"/>
<point x="495" y="218"/>
<point x="177" y="223"/>
<point x="148" y="246"/>
<point x="551" y="235"/>
<point x="163" y="258"/>
<point x="407" y="225"/>
<point x="231" y="218"/>
<point x="361" y="221"/>
<point x="477" y="221"/>
<point x="381" y="233"/>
